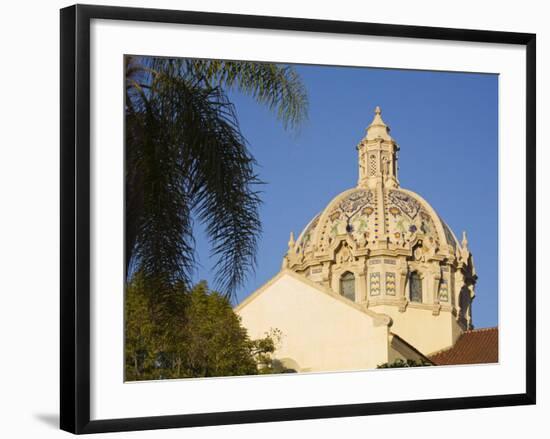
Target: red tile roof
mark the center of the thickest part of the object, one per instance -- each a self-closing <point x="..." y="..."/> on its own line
<point x="472" y="347"/>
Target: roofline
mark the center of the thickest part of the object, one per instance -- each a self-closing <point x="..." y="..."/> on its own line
<point x="490" y="328"/>
<point x="380" y="319"/>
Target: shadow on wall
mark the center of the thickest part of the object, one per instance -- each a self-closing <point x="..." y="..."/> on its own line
<point x="285" y="365"/>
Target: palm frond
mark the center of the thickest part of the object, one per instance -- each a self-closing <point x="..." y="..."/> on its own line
<point x="190" y="156"/>
<point x="187" y="158"/>
<point x="274" y="85"/>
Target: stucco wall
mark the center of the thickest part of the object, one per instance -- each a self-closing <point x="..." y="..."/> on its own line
<point x="321" y="332"/>
<point x="400" y="350"/>
<point x="418" y="327"/>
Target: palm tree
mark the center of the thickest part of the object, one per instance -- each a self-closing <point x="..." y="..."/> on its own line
<point x="186" y="159"/>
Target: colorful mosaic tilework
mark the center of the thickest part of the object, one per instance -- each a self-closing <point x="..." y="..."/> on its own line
<point x="374" y="282"/>
<point x="390" y="284"/>
<point x="354" y="215"/>
<point x="444" y="291"/>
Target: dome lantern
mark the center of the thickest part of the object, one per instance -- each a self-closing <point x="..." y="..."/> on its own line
<point x="377" y="155"/>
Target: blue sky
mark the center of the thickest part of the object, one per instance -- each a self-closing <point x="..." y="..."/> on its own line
<point x="446" y="125"/>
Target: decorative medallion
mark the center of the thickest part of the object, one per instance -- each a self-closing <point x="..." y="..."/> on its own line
<point x="395" y="211"/>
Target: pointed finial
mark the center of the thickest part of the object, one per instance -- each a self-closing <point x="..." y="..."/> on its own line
<point x="291" y="241"/>
<point x="378" y="129"/>
<point x="464" y="240"/>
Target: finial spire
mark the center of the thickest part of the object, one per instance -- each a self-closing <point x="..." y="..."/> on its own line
<point x="291" y="241"/>
<point x="464" y="240"/>
<point x="378" y="129"/>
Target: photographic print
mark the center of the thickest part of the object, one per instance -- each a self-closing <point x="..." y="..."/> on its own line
<point x="293" y="218"/>
<point x="305" y="218"/>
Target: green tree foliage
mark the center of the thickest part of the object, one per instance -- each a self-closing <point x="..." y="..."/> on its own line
<point x="188" y="334"/>
<point x="186" y="158"/>
<point x="404" y="363"/>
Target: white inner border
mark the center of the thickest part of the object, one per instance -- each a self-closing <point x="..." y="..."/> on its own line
<point x="111" y="398"/>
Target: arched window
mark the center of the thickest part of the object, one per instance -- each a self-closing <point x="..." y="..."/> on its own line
<point x="415" y="287"/>
<point x="347" y="285"/>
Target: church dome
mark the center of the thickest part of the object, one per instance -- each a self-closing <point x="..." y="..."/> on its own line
<point x="387" y="239"/>
<point x="378" y="213"/>
<point x="393" y="218"/>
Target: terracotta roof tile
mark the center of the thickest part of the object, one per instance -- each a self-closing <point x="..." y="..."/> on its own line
<point x="472" y="347"/>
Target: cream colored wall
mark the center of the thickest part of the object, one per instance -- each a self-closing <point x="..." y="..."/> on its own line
<point x="399" y="350"/>
<point x="418" y="327"/>
<point x="321" y="332"/>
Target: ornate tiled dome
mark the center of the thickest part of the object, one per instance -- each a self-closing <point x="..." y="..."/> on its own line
<point x="385" y="235"/>
<point x="395" y="216"/>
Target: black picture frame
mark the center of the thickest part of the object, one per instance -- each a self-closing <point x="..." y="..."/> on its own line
<point x="75" y="217"/>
